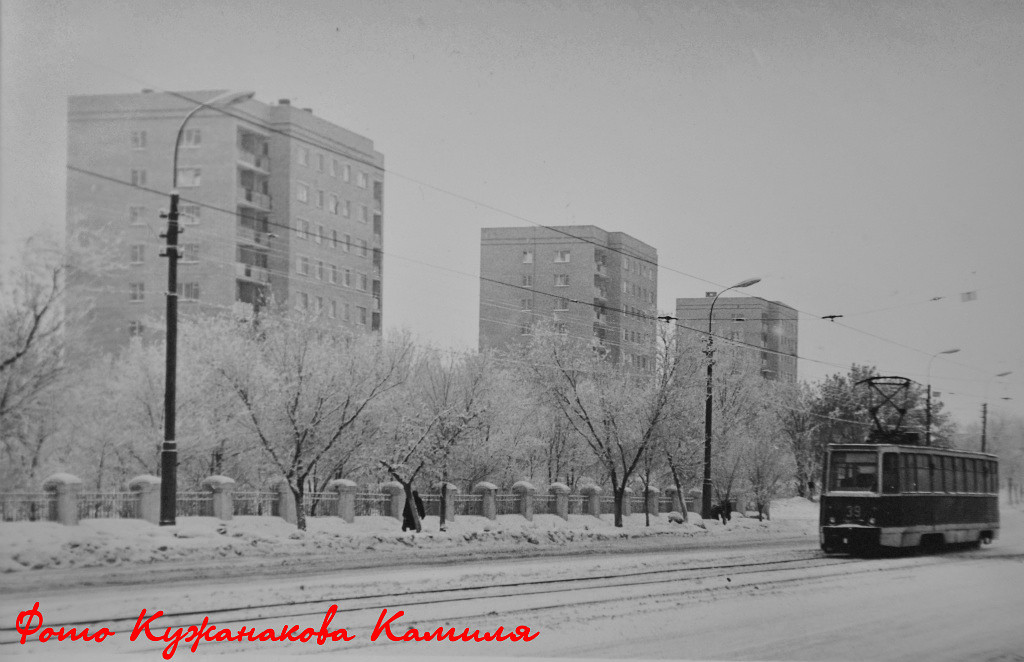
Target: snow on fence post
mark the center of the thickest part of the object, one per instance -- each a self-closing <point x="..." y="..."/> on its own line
<point x="561" y="493"/>
<point x="488" y="491"/>
<point x="397" y="493"/>
<point x="222" y="495"/>
<point x="524" y="491"/>
<point x="652" y="500"/>
<point x="67" y="488"/>
<point x="593" y="495"/>
<point x="285" y="500"/>
<point x="449" y="506"/>
<point x="147" y="491"/>
<point x="346" y="490"/>
<point x="677" y="501"/>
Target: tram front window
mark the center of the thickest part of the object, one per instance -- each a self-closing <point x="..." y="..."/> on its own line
<point x="853" y="472"/>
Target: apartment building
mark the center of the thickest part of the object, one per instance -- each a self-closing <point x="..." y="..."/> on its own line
<point x="765" y="329"/>
<point x="278" y="207"/>
<point x="595" y="285"/>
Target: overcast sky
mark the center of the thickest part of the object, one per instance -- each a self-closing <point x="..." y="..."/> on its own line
<point x="862" y="158"/>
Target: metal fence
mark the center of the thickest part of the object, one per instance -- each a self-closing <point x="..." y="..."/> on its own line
<point x="607" y="504"/>
<point x="117" y="505"/>
<point x="469" y="504"/>
<point x="431" y="504"/>
<point x="255" y="503"/>
<point x="373" y="503"/>
<point x="320" y="504"/>
<point x="577" y="504"/>
<point x="28" y="506"/>
<point x="636" y="504"/>
<point x="665" y="504"/>
<point x="194" y="504"/>
<point x="544" y="504"/>
<point x="506" y="504"/>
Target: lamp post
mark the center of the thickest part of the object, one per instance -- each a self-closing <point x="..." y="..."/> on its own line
<point x="984" y="407"/>
<point x="928" y="403"/>
<point x="169" y="450"/>
<point x="705" y="505"/>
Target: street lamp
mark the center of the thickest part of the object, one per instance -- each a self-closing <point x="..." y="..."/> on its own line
<point x="705" y="505"/>
<point x="928" y="405"/>
<point x="984" y="407"/>
<point x="169" y="450"/>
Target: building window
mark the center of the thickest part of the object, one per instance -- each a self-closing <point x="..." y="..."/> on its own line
<point x="335" y="167"/>
<point x="346" y="209"/>
<point x="348" y="278"/>
<point x="302" y="229"/>
<point x="527" y="257"/>
<point x="138" y="177"/>
<point x="319" y="236"/>
<point x="527" y="280"/>
<point x="136" y="291"/>
<point x="363" y="282"/>
<point x="362" y="247"/>
<point x="303" y="156"/>
<point x="135" y="329"/>
<point x="333" y="312"/>
<point x="188" y="214"/>
<point x="137" y="215"/>
<point x="347" y="246"/>
<point x="302" y="192"/>
<point x="347" y="309"/>
<point x="137" y="253"/>
<point x="346" y="175"/>
<point x="190" y="253"/>
<point x="319" y="199"/>
<point x="561" y="303"/>
<point x="319" y="270"/>
<point x="302" y="301"/>
<point x="138" y="140"/>
<point x="361" y="180"/>
<point x="191" y="138"/>
<point x="190" y="177"/>
<point x="334" y="238"/>
<point x="362" y="314"/>
<point x="364" y="214"/>
<point x="302" y="265"/>
<point x="561" y="280"/>
<point x="524" y="329"/>
<point x="524" y="304"/>
<point x="188" y="291"/>
<point x="320" y="162"/>
<point x="562" y="256"/>
<point x="333" y="207"/>
<point x="319" y="305"/>
<point x="334" y="274"/>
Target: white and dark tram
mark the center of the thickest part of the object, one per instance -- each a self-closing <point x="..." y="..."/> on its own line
<point x="892" y="492"/>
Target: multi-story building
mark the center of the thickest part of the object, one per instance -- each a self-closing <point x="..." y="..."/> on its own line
<point x="595" y="285"/>
<point x="767" y="329"/>
<point x="278" y="208"/>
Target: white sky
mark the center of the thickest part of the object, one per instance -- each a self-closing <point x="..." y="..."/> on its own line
<point x="861" y="158"/>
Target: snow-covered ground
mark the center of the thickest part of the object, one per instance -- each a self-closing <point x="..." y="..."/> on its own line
<point x="36" y="549"/>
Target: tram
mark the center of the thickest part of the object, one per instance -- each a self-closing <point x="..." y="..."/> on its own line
<point x="893" y="492"/>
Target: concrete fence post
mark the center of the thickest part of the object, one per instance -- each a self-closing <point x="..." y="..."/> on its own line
<point x="346" y="490"/>
<point x="561" y="493"/>
<point x="397" y="493"/>
<point x="488" y="491"/>
<point x="147" y="493"/>
<point x="593" y="496"/>
<point x="67" y="489"/>
<point x="222" y="490"/>
<point x="627" y="502"/>
<point x="652" y="500"/>
<point x="677" y="501"/>
<point x="449" y="506"/>
<point x="285" y="500"/>
<point x="524" y="491"/>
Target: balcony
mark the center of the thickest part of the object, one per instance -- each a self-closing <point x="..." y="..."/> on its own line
<point x="376" y="271"/>
<point x="376" y="305"/>
<point x="600" y="318"/>
<point x="254" y="237"/>
<point x="253" y="198"/>
<point x="252" y="273"/>
<point x="255" y="161"/>
<point x="600" y="293"/>
<point x="601" y="270"/>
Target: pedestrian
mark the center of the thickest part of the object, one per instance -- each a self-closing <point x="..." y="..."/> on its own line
<point x="408" y="521"/>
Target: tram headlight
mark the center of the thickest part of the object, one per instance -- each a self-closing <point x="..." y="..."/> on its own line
<point x="871" y="520"/>
<point x="831" y="520"/>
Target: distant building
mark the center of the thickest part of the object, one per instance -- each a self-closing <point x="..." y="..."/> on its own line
<point x="595" y="285"/>
<point x="278" y="207"/>
<point x="767" y="328"/>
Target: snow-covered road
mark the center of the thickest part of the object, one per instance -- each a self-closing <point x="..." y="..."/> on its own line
<point x="781" y="602"/>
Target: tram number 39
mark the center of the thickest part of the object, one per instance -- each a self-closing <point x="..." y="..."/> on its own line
<point x="853" y="511"/>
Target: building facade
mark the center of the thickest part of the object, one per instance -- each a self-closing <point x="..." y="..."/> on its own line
<point x="278" y="208"/>
<point x="768" y="329"/>
<point x="595" y="285"/>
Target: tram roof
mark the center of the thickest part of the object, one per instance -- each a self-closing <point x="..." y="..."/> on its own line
<point x="911" y="448"/>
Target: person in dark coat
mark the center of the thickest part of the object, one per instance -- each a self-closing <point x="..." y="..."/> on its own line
<point x="408" y="521"/>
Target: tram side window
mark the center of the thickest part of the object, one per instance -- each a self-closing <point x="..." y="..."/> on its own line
<point x="971" y="485"/>
<point x="854" y="472"/>
<point x="983" y="485"/>
<point x="890" y="473"/>
<point x="948" y="474"/>
<point x="924" y="478"/>
<point x="909" y="473"/>
<point x="958" y="474"/>
<point x="993" y="475"/>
